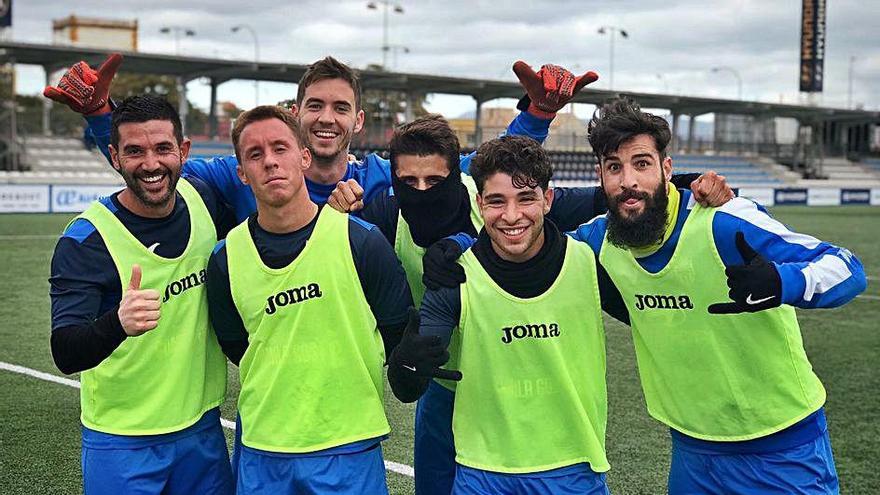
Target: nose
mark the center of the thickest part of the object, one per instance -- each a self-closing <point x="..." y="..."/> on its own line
<point x="510" y="215"/>
<point x="628" y="178"/>
<point x="151" y="161"/>
<point x="422" y="185"/>
<point x="326" y="115"/>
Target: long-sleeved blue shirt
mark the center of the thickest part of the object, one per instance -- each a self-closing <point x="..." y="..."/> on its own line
<point x="814" y="274"/>
<point x="373" y="173"/>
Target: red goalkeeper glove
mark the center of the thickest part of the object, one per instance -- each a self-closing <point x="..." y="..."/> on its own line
<point x="86" y="90"/>
<point x="549" y="89"/>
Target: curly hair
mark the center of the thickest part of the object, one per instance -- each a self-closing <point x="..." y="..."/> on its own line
<point x="620" y="120"/>
<point x="520" y="157"/>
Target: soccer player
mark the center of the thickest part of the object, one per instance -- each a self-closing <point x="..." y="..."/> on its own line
<point x="745" y="408"/>
<point x="530" y="409"/>
<point x="329" y="112"/>
<point x="129" y="312"/>
<point x="302" y="299"/>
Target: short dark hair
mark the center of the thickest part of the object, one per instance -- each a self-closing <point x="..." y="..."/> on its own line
<point x="143" y="108"/>
<point x="329" y="68"/>
<point x="620" y="120"/>
<point x="520" y="157"/>
<point x="266" y="112"/>
<point x="427" y="135"/>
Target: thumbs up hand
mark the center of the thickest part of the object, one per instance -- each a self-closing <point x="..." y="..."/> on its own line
<point x="754" y="286"/>
<point x="139" y="308"/>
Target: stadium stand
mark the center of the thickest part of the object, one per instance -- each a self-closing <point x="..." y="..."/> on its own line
<point x="60" y="160"/>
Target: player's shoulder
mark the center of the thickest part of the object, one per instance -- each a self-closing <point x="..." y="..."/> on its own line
<point x="743" y="208"/>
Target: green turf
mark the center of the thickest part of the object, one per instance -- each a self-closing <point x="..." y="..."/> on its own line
<point x="39" y="439"/>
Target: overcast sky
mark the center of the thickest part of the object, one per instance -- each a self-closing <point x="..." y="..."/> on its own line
<point x="671" y="48"/>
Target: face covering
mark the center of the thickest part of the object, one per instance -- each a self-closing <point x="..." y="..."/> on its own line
<point x="435" y="213"/>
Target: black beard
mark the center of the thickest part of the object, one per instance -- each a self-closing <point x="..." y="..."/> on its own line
<point x="132" y="182"/>
<point x="645" y="229"/>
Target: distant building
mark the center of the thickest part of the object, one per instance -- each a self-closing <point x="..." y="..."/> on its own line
<point x="567" y="132"/>
<point x="90" y="32"/>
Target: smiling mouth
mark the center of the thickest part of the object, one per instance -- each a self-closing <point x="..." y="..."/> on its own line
<point x="512" y="231"/>
<point x="152" y="180"/>
<point x="325" y="134"/>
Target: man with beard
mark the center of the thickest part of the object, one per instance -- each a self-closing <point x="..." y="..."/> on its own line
<point x="745" y="408"/>
<point x="129" y="312"/>
<point x="530" y="409"/>
<point x="302" y="299"/>
<point x="329" y="112"/>
<point x="432" y="199"/>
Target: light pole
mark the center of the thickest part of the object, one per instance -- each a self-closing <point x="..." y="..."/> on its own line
<point x="398" y="9"/>
<point x="182" y="103"/>
<point x="251" y="30"/>
<point x="623" y="34"/>
<point x="739" y="81"/>
<point x="177" y="31"/>
<point x="849" y="90"/>
<point x="665" y="83"/>
<point x="395" y="49"/>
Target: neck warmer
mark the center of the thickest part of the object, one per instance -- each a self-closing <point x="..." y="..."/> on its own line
<point x="530" y="278"/>
<point x="435" y="213"/>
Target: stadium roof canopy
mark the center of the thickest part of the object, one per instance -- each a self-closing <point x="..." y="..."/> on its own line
<point x="54" y="57"/>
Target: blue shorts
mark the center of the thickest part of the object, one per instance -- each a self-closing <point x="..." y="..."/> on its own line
<point x="261" y="472"/>
<point x="574" y="480"/>
<point x="434" y="451"/>
<point x="803" y="469"/>
<point x="187" y="462"/>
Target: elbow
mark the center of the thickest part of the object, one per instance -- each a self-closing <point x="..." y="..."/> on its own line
<point x="62" y="360"/>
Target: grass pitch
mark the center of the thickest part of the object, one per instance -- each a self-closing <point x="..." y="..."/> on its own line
<point x="39" y="437"/>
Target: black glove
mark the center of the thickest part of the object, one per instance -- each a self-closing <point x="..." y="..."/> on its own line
<point x="416" y="360"/>
<point x="439" y="268"/>
<point x="754" y="286"/>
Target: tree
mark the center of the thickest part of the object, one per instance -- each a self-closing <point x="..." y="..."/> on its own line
<point x="128" y="84"/>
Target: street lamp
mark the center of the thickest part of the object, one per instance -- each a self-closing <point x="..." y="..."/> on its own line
<point x="395" y="49"/>
<point x="623" y="34"/>
<point x="251" y="30"/>
<point x="665" y="83"/>
<point x="177" y="31"/>
<point x="398" y="9"/>
<point x="739" y="81"/>
<point x="849" y="91"/>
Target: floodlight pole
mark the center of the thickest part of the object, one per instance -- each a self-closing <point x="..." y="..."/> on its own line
<point x="253" y="32"/>
<point x="385" y="6"/>
<point x="739" y="81"/>
<point x="611" y="30"/>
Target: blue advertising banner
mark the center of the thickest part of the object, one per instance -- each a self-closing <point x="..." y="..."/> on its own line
<point x="790" y="197"/>
<point x="855" y="196"/>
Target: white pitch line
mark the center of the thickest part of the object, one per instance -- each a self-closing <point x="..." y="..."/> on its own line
<point x="389" y="465"/>
<point x="869" y="297"/>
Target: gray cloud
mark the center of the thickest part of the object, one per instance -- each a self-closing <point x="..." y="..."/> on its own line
<point x="681" y="39"/>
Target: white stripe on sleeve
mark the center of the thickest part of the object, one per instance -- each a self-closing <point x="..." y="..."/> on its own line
<point x="823" y="275"/>
<point x="747" y="210"/>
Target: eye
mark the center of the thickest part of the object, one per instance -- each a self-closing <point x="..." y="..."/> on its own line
<point x="342" y="108"/>
<point x="643" y="164"/>
<point x="254" y="155"/>
<point x="280" y="149"/>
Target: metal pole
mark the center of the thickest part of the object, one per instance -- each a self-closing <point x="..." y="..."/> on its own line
<point x="849" y="91"/>
<point x="385" y="36"/>
<point x="611" y="63"/>
<point x="478" y="129"/>
<point x="212" y="111"/>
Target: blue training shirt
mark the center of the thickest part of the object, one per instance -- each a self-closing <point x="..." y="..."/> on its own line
<point x="373" y="173"/>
